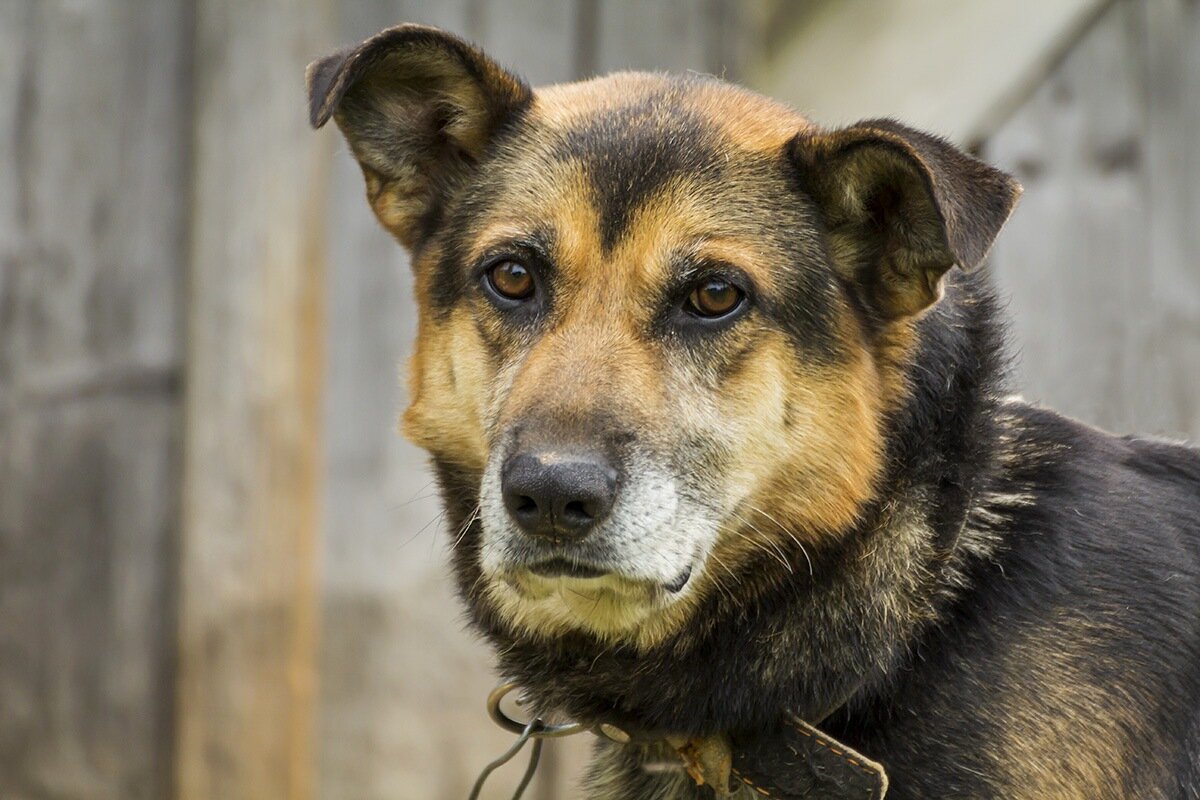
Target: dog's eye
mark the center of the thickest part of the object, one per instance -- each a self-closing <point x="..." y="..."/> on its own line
<point x="511" y="280"/>
<point x="715" y="297"/>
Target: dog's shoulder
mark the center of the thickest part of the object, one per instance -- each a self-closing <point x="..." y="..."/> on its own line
<point x="1077" y="641"/>
<point x="1117" y="512"/>
<point x="1073" y="467"/>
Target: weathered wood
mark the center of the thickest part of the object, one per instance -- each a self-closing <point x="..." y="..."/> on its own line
<point x="1101" y="256"/>
<point x="251" y="508"/>
<point x="1165" y="387"/>
<point x="93" y="188"/>
<point x="946" y="65"/>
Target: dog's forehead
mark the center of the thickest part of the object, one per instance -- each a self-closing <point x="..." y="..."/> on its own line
<point x="637" y="162"/>
<point x="668" y="104"/>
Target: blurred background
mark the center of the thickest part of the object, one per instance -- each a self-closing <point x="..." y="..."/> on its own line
<point x="222" y="573"/>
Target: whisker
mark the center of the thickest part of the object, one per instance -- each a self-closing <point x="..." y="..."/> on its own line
<point x="421" y="530"/>
<point x="775" y="551"/>
<point x="717" y="582"/>
<point x="415" y="499"/>
<point x="466" y="526"/>
<point x="791" y="535"/>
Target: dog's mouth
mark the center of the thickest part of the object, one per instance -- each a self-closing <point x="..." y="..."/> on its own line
<point x="676" y="586"/>
<point x="567" y="568"/>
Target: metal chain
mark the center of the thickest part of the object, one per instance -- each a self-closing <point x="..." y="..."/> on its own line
<point x="536" y="729"/>
<point x="534" y="757"/>
<point x="509" y="755"/>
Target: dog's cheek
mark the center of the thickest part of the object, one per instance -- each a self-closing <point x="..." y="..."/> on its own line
<point x="753" y="402"/>
<point x="833" y="444"/>
<point x="807" y="441"/>
<point x="726" y="419"/>
<point x="450" y="380"/>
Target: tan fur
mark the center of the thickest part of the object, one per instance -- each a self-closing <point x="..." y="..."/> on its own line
<point x="750" y="121"/>
<point x="1068" y="738"/>
<point x="449" y="380"/>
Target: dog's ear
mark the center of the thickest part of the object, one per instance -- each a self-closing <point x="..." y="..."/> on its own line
<point x="418" y="107"/>
<point x="901" y="208"/>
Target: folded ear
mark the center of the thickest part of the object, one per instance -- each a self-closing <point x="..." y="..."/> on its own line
<point x="901" y="208"/>
<point x="418" y="107"/>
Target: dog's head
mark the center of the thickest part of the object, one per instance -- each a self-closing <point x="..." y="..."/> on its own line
<point x="662" y="319"/>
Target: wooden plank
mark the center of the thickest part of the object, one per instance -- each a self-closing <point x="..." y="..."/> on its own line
<point x="953" y="67"/>
<point x="251" y="508"/>
<point x="1096" y="259"/>
<point x="1166" y="358"/>
<point x="93" y="187"/>
<point x="88" y="513"/>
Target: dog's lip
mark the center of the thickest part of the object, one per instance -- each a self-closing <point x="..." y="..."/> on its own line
<point x="560" y="567"/>
<point x="676" y="586"/>
<point x="567" y="568"/>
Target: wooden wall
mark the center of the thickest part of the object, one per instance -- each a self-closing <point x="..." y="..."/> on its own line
<point x="1102" y="258"/>
<point x="161" y="279"/>
<point x="94" y="132"/>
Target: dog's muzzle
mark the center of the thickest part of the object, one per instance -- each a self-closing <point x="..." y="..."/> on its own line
<point x="558" y="496"/>
<point x="588" y="533"/>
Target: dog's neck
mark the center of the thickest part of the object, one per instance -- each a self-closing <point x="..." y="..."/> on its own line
<point x="795" y="642"/>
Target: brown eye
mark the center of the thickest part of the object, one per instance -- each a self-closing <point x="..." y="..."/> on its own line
<point x="511" y="280"/>
<point x="714" y="298"/>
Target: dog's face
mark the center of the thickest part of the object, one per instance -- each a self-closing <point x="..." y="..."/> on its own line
<point x="662" y="319"/>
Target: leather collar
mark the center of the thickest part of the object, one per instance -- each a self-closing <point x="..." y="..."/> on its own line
<point x="791" y="761"/>
<point x="794" y="762"/>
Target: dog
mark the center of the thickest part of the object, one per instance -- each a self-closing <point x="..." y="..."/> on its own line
<point x="715" y="399"/>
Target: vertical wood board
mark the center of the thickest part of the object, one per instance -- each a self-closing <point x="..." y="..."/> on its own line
<point x="1100" y="259"/>
<point x="93" y="202"/>
<point x="251" y="502"/>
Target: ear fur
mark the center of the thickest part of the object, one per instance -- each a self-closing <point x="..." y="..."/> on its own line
<point x="901" y="208"/>
<point x="418" y="107"/>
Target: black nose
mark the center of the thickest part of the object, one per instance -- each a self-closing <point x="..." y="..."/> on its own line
<point x="558" y="496"/>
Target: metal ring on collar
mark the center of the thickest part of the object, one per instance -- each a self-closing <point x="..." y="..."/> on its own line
<point x="541" y="730"/>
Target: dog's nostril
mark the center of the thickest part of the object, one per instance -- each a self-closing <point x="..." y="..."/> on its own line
<point x="558" y="495"/>
<point x="577" y="510"/>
